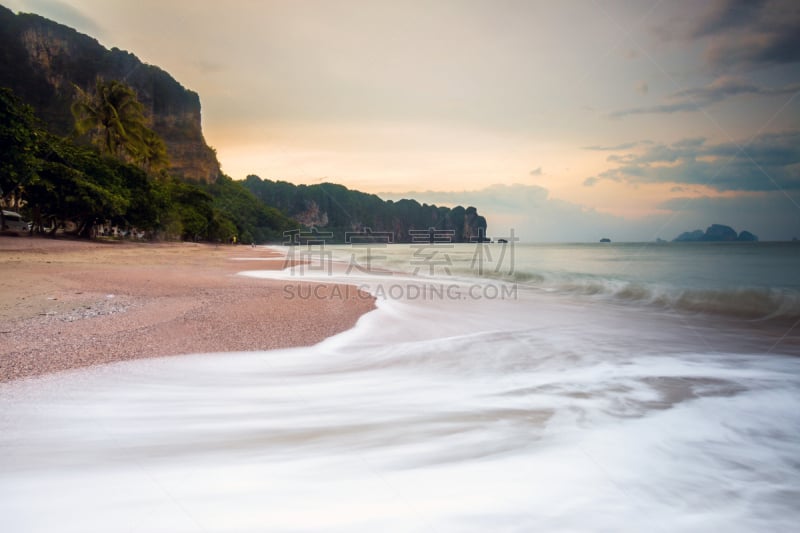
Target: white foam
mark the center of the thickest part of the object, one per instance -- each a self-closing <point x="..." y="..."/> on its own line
<point x="526" y="414"/>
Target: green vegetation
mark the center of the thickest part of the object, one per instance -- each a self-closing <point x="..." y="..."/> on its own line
<point x="46" y="63"/>
<point x="119" y="180"/>
<point x="115" y="120"/>
<point x="337" y="209"/>
<point x="18" y="146"/>
<point x="255" y="221"/>
<point x="98" y="161"/>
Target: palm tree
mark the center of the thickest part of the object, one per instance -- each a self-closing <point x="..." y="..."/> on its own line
<point x="152" y="155"/>
<point x="117" y="119"/>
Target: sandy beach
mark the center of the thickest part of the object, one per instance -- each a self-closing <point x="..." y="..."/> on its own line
<point x="68" y="304"/>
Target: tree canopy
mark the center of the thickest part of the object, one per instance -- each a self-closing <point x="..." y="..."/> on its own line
<point x="18" y="145"/>
<point x="115" y="120"/>
<point x="117" y="179"/>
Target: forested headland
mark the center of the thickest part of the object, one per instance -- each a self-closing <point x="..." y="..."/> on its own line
<point x="97" y="144"/>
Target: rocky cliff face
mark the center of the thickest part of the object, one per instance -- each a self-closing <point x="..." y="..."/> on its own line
<point x="474" y="226"/>
<point x="41" y="60"/>
<point x="337" y="209"/>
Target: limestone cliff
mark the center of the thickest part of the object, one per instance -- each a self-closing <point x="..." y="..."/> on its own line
<point x="41" y="60"/>
<point x="334" y="208"/>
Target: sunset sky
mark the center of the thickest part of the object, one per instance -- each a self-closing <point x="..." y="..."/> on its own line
<point x="565" y="120"/>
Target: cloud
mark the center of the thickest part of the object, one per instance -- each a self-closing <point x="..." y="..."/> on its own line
<point x="616" y="158"/>
<point x="728" y="15"/>
<point x="535" y="216"/>
<point x="536" y="171"/>
<point x="642" y="87"/>
<point x="514" y="197"/>
<point x="767" y="162"/>
<point x="701" y="97"/>
<point x="750" y="32"/>
<point x="616" y="147"/>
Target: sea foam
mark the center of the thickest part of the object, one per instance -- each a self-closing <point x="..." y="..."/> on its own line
<point x="534" y="412"/>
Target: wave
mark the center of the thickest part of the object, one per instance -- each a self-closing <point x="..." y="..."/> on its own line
<point x="755" y="303"/>
<point x="716" y="292"/>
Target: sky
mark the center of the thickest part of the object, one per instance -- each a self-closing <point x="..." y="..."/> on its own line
<point x="566" y="121"/>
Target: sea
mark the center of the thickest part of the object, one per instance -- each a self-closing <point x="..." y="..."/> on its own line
<point x="496" y="387"/>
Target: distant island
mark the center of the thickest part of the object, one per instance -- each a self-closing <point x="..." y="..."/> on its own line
<point x="716" y="233"/>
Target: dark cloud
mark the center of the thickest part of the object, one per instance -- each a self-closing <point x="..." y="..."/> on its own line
<point x="726" y="15"/>
<point x="767" y="162"/>
<point x="751" y="32"/>
<point x="700" y="97"/>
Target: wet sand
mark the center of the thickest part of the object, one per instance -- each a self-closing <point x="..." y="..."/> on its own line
<point x="68" y="304"/>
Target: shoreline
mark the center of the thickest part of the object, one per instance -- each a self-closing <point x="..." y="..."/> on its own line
<point x="71" y="304"/>
<point x="419" y="393"/>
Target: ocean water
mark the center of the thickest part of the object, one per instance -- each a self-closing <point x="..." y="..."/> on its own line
<point x="575" y="388"/>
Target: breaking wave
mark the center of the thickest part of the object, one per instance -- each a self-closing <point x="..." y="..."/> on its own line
<point x="743" y="302"/>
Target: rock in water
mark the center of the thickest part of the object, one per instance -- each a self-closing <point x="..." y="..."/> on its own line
<point x="719" y="232"/>
<point x="716" y="233"/>
<point x="690" y="236"/>
<point x="746" y="236"/>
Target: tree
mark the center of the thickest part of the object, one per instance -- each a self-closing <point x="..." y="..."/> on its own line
<point x="76" y="183"/>
<point x="19" y="139"/>
<point x="153" y="153"/>
<point x="249" y="218"/>
<point x="116" y="117"/>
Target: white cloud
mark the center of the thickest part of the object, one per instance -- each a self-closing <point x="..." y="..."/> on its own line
<point x="535" y="216"/>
